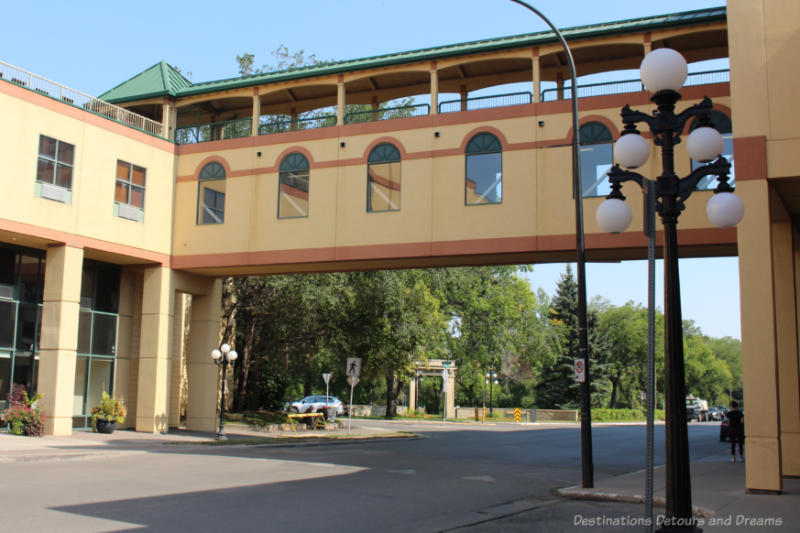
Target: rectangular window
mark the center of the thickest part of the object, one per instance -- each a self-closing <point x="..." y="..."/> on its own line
<point x="596" y="161"/>
<point x="54" y="169"/>
<point x="213" y="208"/>
<point x="129" y="190"/>
<point x="383" y="192"/>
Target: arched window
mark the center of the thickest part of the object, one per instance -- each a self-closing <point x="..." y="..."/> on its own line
<point x="211" y="194"/>
<point x="293" y="186"/>
<point x="383" y="179"/>
<point x="484" y="174"/>
<point x="596" y="159"/>
<point x="722" y="123"/>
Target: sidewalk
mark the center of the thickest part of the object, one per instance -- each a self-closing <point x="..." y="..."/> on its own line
<point x="83" y="444"/>
<point x="718" y="495"/>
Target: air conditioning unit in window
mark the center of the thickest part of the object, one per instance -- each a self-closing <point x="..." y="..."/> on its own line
<point x="7" y="292"/>
<point x="129" y="212"/>
<point x="51" y="192"/>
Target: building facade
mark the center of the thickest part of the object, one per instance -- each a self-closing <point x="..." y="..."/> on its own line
<point x="121" y="209"/>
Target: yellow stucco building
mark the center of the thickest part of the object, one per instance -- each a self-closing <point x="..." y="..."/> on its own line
<point x="118" y="209"/>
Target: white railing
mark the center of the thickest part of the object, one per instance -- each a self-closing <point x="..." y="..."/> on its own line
<point x="75" y="98"/>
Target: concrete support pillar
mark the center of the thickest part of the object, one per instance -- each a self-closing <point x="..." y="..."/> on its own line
<point x="256" y="112"/>
<point x="202" y="373"/>
<point x="759" y="351"/>
<point x="434" y="88"/>
<point x="340" y="101"/>
<point x="450" y="389"/>
<point x="59" y="336"/>
<point x="124" y="363"/>
<point x="537" y="76"/>
<point x="783" y="267"/>
<point x="169" y="116"/>
<point x="156" y="335"/>
<point x="464" y="96"/>
<point x="412" y="395"/>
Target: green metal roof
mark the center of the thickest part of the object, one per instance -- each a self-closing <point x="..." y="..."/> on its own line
<point x="130" y="91"/>
<point x="159" y="80"/>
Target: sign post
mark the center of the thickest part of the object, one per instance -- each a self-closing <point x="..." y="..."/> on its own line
<point x="353" y="370"/>
<point x="327" y="378"/>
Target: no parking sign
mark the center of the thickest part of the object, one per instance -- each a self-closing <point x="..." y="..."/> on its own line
<point x="580" y="370"/>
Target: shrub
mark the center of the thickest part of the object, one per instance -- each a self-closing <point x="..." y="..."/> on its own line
<point x="23" y="416"/>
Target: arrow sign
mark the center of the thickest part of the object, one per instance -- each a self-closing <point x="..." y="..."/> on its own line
<point x="352" y="380"/>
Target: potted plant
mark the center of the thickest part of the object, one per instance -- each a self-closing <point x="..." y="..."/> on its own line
<point x="23" y="416"/>
<point x="108" y="414"/>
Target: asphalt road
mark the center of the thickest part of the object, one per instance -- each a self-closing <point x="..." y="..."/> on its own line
<point x="455" y="477"/>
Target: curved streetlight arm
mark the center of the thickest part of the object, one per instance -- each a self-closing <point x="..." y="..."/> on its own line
<point x="587" y="465"/>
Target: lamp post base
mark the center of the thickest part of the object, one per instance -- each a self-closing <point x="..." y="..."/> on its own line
<point x="221" y="434"/>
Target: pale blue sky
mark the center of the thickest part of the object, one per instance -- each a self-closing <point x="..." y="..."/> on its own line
<point x="93" y="46"/>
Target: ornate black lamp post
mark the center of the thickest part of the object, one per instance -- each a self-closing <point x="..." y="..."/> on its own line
<point x="222" y="357"/>
<point x="663" y="72"/>
<point x="491" y="379"/>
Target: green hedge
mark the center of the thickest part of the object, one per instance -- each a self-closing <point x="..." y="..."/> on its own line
<point x="623" y="415"/>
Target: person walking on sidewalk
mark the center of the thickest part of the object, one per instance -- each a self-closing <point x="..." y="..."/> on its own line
<point x="736" y="430"/>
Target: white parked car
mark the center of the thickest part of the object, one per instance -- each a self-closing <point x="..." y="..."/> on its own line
<point x="312" y="404"/>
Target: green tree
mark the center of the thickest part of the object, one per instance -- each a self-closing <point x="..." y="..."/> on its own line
<point x="556" y="387"/>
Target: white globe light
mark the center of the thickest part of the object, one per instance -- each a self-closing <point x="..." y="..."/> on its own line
<point x="631" y="151"/>
<point x="232" y="355"/>
<point x="215" y="355"/>
<point x="662" y="69"/>
<point x="225" y="348"/>
<point x="725" y="209"/>
<point x="614" y="215"/>
<point x="704" y="144"/>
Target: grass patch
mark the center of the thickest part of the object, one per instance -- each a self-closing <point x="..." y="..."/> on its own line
<point x="292" y="439"/>
<point x="257" y="419"/>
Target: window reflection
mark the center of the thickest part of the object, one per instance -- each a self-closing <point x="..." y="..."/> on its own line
<point x="484" y="172"/>
<point x="596" y="159"/>
<point x="383" y="179"/>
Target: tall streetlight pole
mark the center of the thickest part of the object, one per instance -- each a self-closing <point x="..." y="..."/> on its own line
<point x="222" y="357"/>
<point x="587" y="466"/>
<point x="663" y="73"/>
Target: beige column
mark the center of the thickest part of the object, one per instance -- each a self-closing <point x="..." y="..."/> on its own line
<point x="784" y="253"/>
<point x="412" y="394"/>
<point x="537" y="76"/>
<point x="256" y="112"/>
<point x="202" y="373"/>
<point x="168" y="117"/>
<point x="434" y="88"/>
<point x="156" y="335"/>
<point x="124" y="362"/>
<point x="340" y="101"/>
<point x="450" y="388"/>
<point x="59" y="336"/>
<point x="759" y="351"/>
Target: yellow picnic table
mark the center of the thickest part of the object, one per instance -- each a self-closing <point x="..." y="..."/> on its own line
<point x="318" y="420"/>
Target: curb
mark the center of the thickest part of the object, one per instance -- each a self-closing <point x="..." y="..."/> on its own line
<point x="37" y="457"/>
<point x="599" y="495"/>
